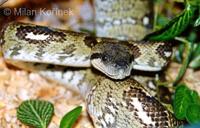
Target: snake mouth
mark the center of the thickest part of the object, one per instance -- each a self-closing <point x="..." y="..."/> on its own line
<point x="109" y="71"/>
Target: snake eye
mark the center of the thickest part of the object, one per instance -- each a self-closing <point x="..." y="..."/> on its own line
<point x="105" y="58"/>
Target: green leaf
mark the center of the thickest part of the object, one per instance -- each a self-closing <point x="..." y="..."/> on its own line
<point x="193" y="113"/>
<point x="197" y="22"/>
<point x="195" y="62"/>
<point x="195" y="97"/>
<point x="174" y="27"/>
<point x="195" y="3"/>
<point x="196" y="50"/>
<point x="36" y="113"/>
<point x="69" y="119"/>
<point x="181" y="101"/>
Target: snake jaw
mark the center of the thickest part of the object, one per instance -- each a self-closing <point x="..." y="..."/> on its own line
<point x="110" y="70"/>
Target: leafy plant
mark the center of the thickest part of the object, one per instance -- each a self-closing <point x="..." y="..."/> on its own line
<point x="186" y="104"/>
<point x="36" y="113"/>
<point x="69" y="119"/>
<point x="175" y="26"/>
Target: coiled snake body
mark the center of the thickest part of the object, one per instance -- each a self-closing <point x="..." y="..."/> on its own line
<point x="111" y="103"/>
<point x="112" y="108"/>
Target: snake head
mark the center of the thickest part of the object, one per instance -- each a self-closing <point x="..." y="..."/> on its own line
<point x="113" y="59"/>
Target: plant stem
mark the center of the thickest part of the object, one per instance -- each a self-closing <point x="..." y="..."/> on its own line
<point x="186" y="59"/>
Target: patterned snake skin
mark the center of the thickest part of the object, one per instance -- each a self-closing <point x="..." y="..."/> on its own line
<point x="123" y="19"/>
<point x="115" y="58"/>
<point x="111" y="103"/>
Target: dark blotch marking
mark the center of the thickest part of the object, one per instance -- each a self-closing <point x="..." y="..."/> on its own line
<point x="90" y="41"/>
<point x="15" y="50"/>
<point x="67" y="52"/>
<point x="166" y="47"/>
<point x="38" y="30"/>
<point x="151" y="106"/>
<point x="69" y="49"/>
<point x="136" y="51"/>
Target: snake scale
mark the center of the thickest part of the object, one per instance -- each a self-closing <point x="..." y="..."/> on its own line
<point x="111" y="103"/>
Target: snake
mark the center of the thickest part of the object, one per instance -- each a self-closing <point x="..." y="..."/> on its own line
<point x="115" y="58"/>
<point x="104" y="64"/>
